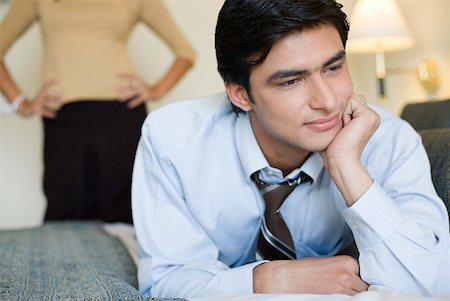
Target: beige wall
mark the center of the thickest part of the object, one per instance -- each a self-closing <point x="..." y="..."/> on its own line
<point x="21" y="199"/>
<point x="429" y="22"/>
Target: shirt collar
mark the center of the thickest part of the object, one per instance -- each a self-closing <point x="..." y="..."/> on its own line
<point x="252" y="159"/>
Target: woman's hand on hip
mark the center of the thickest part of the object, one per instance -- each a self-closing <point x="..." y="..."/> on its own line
<point x="134" y="91"/>
<point x="43" y="104"/>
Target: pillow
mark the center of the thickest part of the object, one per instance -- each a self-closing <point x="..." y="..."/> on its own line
<point x="437" y="145"/>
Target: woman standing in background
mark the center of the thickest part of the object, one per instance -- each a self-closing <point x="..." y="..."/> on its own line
<point x="92" y="101"/>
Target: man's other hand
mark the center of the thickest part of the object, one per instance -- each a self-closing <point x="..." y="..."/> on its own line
<point x="330" y="275"/>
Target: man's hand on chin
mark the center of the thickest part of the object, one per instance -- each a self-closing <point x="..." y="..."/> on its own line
<point x="342" y="157"/>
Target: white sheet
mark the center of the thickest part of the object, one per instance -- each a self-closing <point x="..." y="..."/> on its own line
<point x="126" y="234"/>
<point x="371" y="295"/>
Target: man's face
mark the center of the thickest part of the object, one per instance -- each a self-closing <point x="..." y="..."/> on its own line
<point x="299" y="93"/>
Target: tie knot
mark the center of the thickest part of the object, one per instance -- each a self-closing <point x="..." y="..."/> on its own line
<point x="301" y="178"/>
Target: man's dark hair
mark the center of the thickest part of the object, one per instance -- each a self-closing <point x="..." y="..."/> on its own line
<point x="246" y="30"/>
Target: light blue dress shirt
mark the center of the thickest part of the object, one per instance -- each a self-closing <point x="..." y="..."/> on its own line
<point x="197" y="213"/>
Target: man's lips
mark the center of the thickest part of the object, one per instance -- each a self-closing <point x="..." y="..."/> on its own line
<point x="323" y="124"/>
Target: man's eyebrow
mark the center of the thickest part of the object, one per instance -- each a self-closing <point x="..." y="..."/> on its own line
<point x="285" y="73"/>
<point x="334" y="58"/>
<point x="294" y="72"/>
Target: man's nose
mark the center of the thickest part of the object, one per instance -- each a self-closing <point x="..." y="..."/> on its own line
<point x="322" y="96"/>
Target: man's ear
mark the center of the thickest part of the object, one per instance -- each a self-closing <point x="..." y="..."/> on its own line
<point x="238" y="96"/>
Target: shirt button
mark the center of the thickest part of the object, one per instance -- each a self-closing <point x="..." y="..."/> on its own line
<point x="354" y="227"/>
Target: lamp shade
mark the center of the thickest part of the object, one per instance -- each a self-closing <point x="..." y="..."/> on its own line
<point x="377" y="26"/>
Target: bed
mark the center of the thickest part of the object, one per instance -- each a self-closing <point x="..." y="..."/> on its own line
<point x="96" y="261"/>
<point x="67" y="261"/>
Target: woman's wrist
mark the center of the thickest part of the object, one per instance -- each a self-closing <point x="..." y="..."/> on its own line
<point x="155" y="92"/>
<point x="22" y="109"/>
<point x="16" y="103"/>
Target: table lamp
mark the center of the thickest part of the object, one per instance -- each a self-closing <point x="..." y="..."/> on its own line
<point x="377" y="26"/>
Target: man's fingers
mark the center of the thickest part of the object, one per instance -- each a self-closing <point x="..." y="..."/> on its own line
<point x="353" y="105"/>
<point x="360" y="98"/>
<point x="359" y="285"/>
<point x="348" y="111"/>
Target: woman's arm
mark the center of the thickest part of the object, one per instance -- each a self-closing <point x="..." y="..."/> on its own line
<point x="156" y="15"/>
<point x="39" y="105"/>
<point x="7" y="86"/>
<point x="139" y="91"/>
<point x="19" y="18"/>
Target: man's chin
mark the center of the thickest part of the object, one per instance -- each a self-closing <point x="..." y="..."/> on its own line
<point x="322" y="145"/>
<point x="326" y="140"/>
<point x="320" y="149"/>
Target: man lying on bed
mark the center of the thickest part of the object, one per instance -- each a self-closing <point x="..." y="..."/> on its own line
<point x="205" y="169"/>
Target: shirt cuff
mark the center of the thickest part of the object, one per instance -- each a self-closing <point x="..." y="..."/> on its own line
<point x="239" y="279"/>
<point x="373" y="217"/>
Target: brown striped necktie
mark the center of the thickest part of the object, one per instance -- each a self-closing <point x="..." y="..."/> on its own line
<point x="275" y="240"/>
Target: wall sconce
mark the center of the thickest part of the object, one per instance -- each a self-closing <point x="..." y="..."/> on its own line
<point x="428" y="75"/>
<point x="377" y="26"/>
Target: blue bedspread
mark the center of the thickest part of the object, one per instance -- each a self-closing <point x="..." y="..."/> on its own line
<point x="66" y="261"/>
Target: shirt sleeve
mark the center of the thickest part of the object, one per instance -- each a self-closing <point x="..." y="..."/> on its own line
<point x="400" y="225"/>
<point x="20" y="16"/>
<point x="157" y="16"/>
<point x="177" y="258"/>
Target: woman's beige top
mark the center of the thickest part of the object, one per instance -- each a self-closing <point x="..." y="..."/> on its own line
<point x="85" y="40"/>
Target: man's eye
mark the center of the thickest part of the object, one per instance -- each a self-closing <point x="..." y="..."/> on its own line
<point x="334" y="68"/>
<point x="290" y="82"/>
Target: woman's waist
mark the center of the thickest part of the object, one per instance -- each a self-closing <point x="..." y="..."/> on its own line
<point x="75" y="93"/>
<point x="86" y="84"/>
